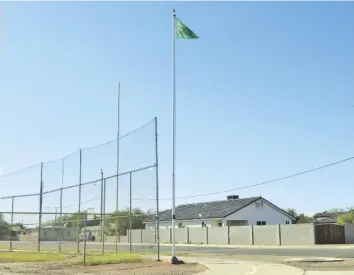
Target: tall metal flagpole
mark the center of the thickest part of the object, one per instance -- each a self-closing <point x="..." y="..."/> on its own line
<point x="173" y="134"/>
<point x="117" y="191"/>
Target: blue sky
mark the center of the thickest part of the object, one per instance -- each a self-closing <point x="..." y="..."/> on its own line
<point x="265" y="92"/>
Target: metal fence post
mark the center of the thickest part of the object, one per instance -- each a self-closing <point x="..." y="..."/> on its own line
<point x="101" y="231"/>
<point x="61" y="206"/>
<point x="40" y="209"/>
<point x="80" y="183"/>
<point x="157" y="192"/>
<point x="12" y="221"/>
<point x="130" y="212"/>
<point x="104" y="211"/>
<point x="85" y="237"/>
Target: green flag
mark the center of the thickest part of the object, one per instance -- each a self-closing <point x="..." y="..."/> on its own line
<point x="184" y="32"/>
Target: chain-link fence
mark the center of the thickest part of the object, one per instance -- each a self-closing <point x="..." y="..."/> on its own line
<point x="97" y="196"/>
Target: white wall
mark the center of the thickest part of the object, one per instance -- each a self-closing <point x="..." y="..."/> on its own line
<point x="252" y="214"/>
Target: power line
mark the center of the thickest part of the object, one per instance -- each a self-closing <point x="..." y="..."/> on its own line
<point x="270" y="181"/>
<point x="258" y="184"/>
<point x="242" y="187"/>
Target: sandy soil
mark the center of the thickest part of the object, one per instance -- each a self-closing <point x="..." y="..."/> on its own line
<point x="149" y="268"/>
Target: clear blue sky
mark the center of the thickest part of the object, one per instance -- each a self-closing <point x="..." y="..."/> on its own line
<point x="265" y="92"/>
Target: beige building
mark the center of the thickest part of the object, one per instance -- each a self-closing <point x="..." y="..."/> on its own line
<point x="50" y="234"/>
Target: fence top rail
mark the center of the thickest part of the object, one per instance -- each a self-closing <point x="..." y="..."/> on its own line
<point x="73" y="153"/>
<point x="82" y="184"/>
<point x="77" y="213"/>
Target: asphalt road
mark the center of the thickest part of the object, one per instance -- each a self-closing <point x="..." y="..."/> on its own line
<point x="305" y="252"/>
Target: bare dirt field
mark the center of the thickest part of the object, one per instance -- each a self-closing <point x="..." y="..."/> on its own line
<point x="145" y="268"/>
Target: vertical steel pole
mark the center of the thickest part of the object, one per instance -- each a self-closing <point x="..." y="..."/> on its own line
<point x="157" y="192"/>
<point x="40" y="209"/>
<point x="61" y="205"/>
<point x="101" y="233"/>
<point x="85" y="237"/>
<point x="79" y="216"/>
<point x="130" y="212"/>
<point x="12" y="221"/>
<point x="104" y="216"/>
<point x="118" y="135"/>
<point x="173" y="134"/>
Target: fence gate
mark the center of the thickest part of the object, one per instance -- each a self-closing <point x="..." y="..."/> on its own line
<point x="329" y="234"/>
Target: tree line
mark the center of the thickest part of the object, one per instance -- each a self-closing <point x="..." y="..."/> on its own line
<point x="138" y="217"/>
<point x="345" y="216"/>
<point x="119" y="218"/>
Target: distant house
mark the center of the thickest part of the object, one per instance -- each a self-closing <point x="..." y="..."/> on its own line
<point x="328" y="217"/>
<point x="233" y="211"/>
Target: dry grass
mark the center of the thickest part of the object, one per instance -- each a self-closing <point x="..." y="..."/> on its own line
<point x="14" y="257"/>
<point x="111" y="258"/>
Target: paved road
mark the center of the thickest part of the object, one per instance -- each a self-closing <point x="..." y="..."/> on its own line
<point x="219" y="266"/>
<point x="298" y="251"/>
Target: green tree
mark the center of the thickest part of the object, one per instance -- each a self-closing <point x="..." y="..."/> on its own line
<point x="346" y="218"/>
<point x="300" y="218"/>
<point x="73" y="220"/>
<point x="4" y="226"/>
<point x="292" y="212"/>
<point x="138" y="217"/>
<point x="335" y="210"/>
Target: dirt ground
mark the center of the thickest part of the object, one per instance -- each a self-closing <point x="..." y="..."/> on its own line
<point x="148" y="268"/>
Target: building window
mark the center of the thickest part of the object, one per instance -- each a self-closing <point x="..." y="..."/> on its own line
<point x="259" y="204"/>
<point x="203" y="224"/>
<point x="220" y="224"/>
<point x="264" y="223"/>
<point x="287" y="222"/>
<point x="180" y="225"/>
<point x="261" y="223"/>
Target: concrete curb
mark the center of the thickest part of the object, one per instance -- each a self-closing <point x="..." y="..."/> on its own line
<point x="312" y="260"/>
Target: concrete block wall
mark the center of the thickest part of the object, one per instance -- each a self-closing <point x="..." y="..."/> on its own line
<point x="123" y="239"/>
<point x="182" y="235"/>
<point x="241" y="235"/>
<point x="148" y="236"/>
<point x="136" y="235"/>
<point x="272" y="235"/>
<point x="165" y="235"/>
<point x="198" y="235"/>
<point x="111" y="239"/>
<point x="349" y="233"/>
<point x="218" y="235"/>
<point x="297" y="234"/>
<point x="266" y="235"/>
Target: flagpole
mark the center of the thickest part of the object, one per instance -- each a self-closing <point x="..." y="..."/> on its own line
<point x="173" y="135"/>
